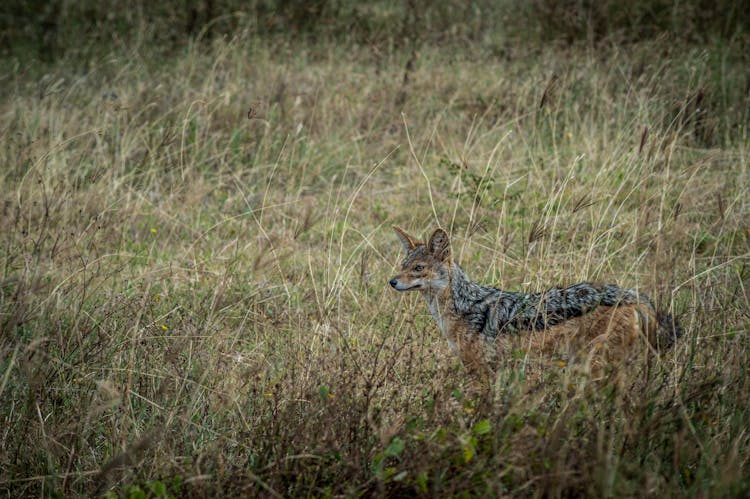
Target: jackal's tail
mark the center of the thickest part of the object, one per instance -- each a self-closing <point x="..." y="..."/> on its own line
<point x="669" y="330"/>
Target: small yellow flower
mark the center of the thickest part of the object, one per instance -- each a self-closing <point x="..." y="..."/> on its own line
<point x="164" y="327"/>
<point x="561" y="363"/>
<point x="153" y="230"/>
<point x="268" y="394"/>
<point x="157" y="297"/>
<point x="75" y="380"/>
<point x="330" y="395"/>
<point x="469" y="410"/>
<point x="569" y="135"/>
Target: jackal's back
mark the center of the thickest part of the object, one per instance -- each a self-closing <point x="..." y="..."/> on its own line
<point x="579" y="306"/>
<point x="513" y="312"/>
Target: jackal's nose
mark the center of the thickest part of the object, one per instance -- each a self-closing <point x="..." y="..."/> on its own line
<point x="393" y="282"/>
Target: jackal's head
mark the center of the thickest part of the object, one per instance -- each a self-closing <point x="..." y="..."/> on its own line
<point x="426" y="266"/>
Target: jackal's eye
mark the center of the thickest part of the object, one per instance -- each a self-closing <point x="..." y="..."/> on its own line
<point x="419" y="268"/>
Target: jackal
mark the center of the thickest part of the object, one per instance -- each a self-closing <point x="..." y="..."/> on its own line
<point x="481" y="322"/>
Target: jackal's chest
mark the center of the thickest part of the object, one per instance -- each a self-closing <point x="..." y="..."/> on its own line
<point x="437" y="314"/>
<point x="443" y="318"/>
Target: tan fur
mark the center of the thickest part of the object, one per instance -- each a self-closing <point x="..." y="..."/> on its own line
<point x="612" y="329"/>
<point x="605" y="337"/>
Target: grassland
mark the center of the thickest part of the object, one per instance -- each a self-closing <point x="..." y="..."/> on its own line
<point x="195" y="256"/>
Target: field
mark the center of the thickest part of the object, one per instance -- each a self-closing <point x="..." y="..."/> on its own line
<point x="196" y="250"/>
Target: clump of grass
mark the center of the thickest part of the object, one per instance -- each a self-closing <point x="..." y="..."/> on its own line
<point x="193" y="298"/>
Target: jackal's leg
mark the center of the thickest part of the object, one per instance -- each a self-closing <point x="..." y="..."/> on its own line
<point x="474" y="356"/>
<point x="621" y="327"/>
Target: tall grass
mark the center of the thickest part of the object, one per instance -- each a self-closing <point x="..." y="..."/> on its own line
<point x="194" y="259"/>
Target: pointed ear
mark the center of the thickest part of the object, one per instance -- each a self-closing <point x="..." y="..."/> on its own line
<point x="408" y="242"/>
<point x="440" y="245"/>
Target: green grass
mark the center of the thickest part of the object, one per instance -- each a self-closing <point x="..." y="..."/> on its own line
<point x="194" y="296"/>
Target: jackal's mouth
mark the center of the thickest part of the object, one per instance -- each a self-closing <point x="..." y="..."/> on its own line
<point x="395" y="284"/>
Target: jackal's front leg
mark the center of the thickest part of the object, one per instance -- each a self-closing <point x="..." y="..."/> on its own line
<point x="473" y="352"/>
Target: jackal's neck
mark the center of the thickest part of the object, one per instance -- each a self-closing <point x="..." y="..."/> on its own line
<point x="461" y="299"/>
<point x="466" y="294"/>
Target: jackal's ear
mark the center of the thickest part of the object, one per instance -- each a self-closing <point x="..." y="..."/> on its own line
<point x="408" y="242"/>
<point x="440" y="245"/>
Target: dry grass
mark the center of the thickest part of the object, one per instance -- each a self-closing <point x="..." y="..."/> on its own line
<point x="195" y="258"/>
